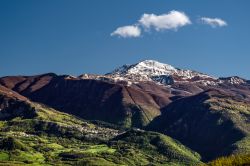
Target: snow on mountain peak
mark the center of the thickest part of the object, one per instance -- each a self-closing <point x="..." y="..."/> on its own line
<point x="146" y="67"/>
<point x="151" y="70"/>
<point x="160" y="73"/>
<point x="155" y="64"/>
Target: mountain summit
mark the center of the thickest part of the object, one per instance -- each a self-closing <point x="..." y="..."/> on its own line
<point x="146" y="67"/>
<point x="165" y="74"/>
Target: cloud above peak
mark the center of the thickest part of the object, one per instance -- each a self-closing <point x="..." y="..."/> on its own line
<point x="213" y="22"/>
<point x="169" y="21"/>
<point x="127" y="31"/>
<point x="172" y="20"/>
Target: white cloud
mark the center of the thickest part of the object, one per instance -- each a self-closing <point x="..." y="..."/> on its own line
<point x="213" y="22"/>
<point x="127" y="31"/>
<point x="172" y="20"/>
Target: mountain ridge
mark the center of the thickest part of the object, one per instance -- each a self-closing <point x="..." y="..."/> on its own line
<point x="151" y="96"/>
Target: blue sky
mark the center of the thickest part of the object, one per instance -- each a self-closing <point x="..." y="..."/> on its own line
<point x="74" y="37"/>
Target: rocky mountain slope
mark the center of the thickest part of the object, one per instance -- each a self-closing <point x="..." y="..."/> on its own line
<point x="92" y="99"/>
<point x="133" y="94"/>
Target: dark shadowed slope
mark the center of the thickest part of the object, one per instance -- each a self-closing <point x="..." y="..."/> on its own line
<point x="12" y="104"/>
<point x="213" y="123"/>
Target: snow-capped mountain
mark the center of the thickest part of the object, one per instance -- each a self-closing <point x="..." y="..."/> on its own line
<point x="160" y="73"/>
<point x="150" y="70"/>
<point x="147" y="67"/>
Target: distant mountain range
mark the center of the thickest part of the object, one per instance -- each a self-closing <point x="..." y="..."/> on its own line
<point x="208" y="115"/>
